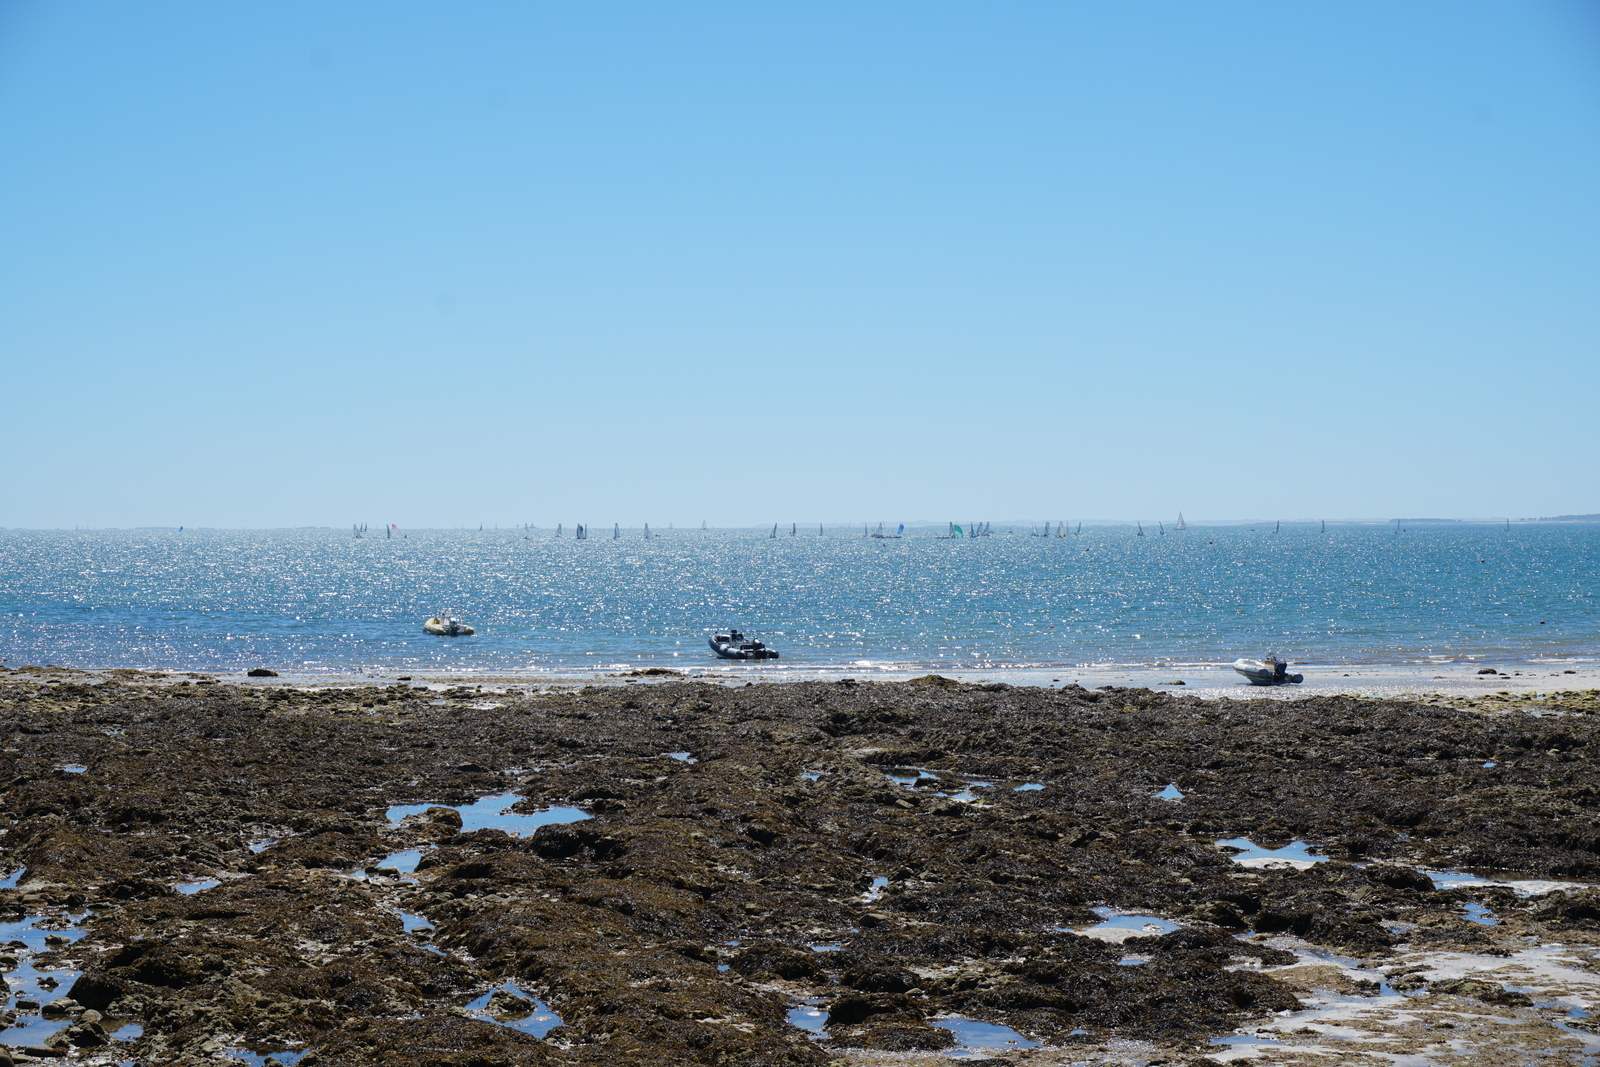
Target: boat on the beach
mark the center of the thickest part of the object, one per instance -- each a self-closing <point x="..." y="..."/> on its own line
<point x="734" y="645"/>
<point x="448" y="624"/>
<point x="1268" y="671"/>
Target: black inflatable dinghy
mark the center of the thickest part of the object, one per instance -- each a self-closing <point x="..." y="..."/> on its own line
<point x="733" y="645"/>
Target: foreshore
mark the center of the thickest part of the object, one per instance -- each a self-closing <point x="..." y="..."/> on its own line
<point x="724" y="870"/>
<point x="1447" y="681"/>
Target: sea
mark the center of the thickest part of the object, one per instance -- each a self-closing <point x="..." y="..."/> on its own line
<point x="326" y="602"/>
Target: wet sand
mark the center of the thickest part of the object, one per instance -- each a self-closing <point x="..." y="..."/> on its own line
<point x="800" y="873"/>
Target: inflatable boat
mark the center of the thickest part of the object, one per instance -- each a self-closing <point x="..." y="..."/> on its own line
<point x="445" y="625"/>
<point x="1269" y="671"/>
<point x="732" y="645"/>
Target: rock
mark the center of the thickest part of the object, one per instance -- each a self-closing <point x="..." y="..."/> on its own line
<point x="443" y="817"/>
<point x="56" y="940"/>
<point x="1488" y="670"/>
<point x="60" y="1007"/>
<point x="778" y="961"/>
<point x="505" y="1002"/>
<point x="1396" y="876"/>
<point x="1582" y="906"/>
<point x="1488" y="992"/>
<point x="45" y="1051"/>
<point x="854" y="1009"/>
<point x="27" y="1005"/>
<point x="1221" y="913"/>
<point x="902" y="1035"/>
<point x="86" y="1034"/>
<point x="261" y="672"/>
<point x="870" y="979"/>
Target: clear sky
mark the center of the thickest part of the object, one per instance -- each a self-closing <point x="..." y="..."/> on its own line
<point x="270" y="264"/>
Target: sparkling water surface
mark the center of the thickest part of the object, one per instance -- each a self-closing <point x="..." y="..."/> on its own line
<point x="322" y="600"/>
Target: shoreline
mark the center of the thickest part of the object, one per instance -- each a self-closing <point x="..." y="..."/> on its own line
<point x="1451" y="682"/>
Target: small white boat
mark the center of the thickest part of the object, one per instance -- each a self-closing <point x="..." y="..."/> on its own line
<point x="1269" y="671"/>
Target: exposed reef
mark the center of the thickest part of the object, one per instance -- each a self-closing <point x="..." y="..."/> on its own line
<point x="896" y="854"/>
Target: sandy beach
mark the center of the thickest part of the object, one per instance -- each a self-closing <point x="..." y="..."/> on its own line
<point x="1454" y="682"/>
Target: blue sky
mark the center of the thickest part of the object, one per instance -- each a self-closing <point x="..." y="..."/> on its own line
<point x="282" y="264"/>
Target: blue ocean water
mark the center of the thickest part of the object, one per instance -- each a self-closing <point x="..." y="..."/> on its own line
<point x="322" y="600"/>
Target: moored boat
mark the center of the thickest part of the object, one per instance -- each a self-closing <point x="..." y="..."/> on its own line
<point x="447" y="624"/>
<point x="734" y="645"/>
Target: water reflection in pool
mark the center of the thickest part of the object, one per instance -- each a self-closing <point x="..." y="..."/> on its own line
<point x="493" y="813"/>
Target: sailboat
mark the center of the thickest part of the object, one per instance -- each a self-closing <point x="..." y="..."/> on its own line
<point x="616" y="531"/>
<point x="819" y="529"/>
<point x="1162" y="532"/>
<point x="1080" y="529"/>
<point x="1277" y="525"/>
<point x="361" y="530"/>
<point x="647" y="534"/>
<point x="702" y="524"/>
<point x="1324" y="526"/>
<point x="794" y="529"/>
<point x="558" y="529"/>
<point x="774" y="530"/>
<point x="1181" y="524"/>
<point x="1141" y="527"/>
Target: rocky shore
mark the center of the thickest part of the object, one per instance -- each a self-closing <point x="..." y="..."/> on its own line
<point x="805" y="873"/>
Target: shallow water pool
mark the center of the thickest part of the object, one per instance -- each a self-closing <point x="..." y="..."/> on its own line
<point x="536" y="1023"/>
<point x="493" y="813"/>
<point x="257" y="1059"/>
<point x="1116" y="926"/>
<point x="1295" y="854"/>
<point x="404" y="862"/>
<point x="1521" y="883"/>
<point x="24" y="979"/>
<point x="972" y="1034"/>
<point x="810" y="1016"/>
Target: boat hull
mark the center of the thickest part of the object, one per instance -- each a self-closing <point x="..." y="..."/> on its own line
<point x="1259" y="672"/>
<point x="744" y="650"/>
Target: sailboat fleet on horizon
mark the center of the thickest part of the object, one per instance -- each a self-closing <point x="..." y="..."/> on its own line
<point x="954" y="531"/>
